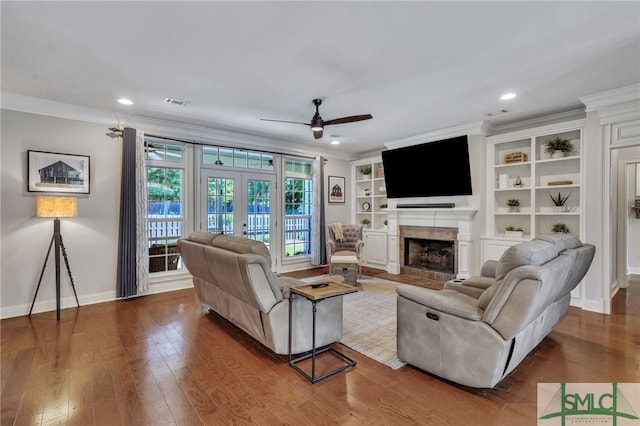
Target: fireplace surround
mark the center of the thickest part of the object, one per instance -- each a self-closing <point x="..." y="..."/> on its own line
<point x="428" y="252"/>
<point x="450" y="225"/>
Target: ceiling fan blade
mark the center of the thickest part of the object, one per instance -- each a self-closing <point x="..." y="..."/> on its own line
<point x="350" y="119"/>
<point x="285" y="121"/>
<point x="317" y="134"/>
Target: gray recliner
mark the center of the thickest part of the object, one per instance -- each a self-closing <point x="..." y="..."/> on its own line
<point x="477" y="341"/>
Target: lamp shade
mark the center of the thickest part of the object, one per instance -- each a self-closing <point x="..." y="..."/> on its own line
<point x="56" y="207"/>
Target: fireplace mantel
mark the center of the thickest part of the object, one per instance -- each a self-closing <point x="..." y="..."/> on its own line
<point x="457" y="217"/>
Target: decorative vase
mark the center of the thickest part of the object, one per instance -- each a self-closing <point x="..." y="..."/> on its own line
<point x="503" y="181"/>
<point x="557" y="154"/>
<point x="514" y="209"/>
<point x="559" y="208"/>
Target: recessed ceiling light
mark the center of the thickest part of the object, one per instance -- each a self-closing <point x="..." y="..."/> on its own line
<point x="508" y="96"/>
<point x="335" y="142"/>
<point x="125" y="101"/>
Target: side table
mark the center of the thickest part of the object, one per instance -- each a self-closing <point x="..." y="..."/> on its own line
<point x="316" y="293"/>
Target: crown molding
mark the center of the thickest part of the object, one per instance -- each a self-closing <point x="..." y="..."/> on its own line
<point x="541" y="130"/>
<point x="165" y="128"/>
<point x="571" y="115"/>
<point x="33" y="105"/>
<point x="618" y="113"/>
<point x="610" y="98"/>
<point x="478" y="127"/>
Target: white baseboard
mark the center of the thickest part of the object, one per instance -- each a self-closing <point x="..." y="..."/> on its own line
<point x="157" y="285"/>
<point x="600" y="306"/>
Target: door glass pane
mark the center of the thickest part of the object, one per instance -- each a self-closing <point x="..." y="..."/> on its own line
<point x="220" y="192"/>
<point x="259" y="210"/>
<point x="165" y="221"/>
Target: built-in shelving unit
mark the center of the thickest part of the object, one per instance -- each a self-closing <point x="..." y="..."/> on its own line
<point x="370" y="193"/>
<point x="370" y="204"/>
<point x="521" y="169"/>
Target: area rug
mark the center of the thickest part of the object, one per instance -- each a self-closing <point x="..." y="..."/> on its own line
<point x="369" y="320"/>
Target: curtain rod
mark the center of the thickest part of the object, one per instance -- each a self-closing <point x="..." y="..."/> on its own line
<point x="116" y="130"/>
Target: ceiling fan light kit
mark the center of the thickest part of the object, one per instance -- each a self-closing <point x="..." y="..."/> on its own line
<point x="317" y="123"/>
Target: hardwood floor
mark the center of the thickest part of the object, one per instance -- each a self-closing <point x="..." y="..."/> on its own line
<point x="163" y="360"/>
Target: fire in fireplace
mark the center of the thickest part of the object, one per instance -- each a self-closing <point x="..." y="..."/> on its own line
<point x="429" y="254"/>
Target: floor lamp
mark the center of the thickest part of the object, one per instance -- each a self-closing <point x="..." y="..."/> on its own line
<point x="56" y="207"/>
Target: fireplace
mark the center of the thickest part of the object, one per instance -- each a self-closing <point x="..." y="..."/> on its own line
<point x="433" y="223"/>
<point x="430" y="255"/>
<point x="428" y="252"/>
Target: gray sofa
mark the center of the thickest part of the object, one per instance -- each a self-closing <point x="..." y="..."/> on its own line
<point x="232" y="275"/>
<point x="475" y="338"/>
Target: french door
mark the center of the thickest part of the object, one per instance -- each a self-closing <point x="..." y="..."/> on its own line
<point x="241" y="204"/>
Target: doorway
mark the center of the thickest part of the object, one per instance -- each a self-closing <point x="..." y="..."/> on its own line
<point x="240" y="204"/>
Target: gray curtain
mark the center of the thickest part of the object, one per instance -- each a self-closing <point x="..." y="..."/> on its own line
<point x="318" y="238"/>
<point x="127" y="283"/>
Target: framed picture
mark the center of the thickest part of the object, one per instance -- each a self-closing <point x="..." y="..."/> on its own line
<point x="336" y="189"/>
<point x="55" y="172"/>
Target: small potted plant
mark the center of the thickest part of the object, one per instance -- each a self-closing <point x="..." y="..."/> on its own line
<point x="384" y="224"/>
<point x="558" y="147"/>
<point x="513" y="231"/>
<point x="560" y="228"/>
<point x="365" y="222"/>
<point x="559" y="202"/>
<point x="365" y="171"/>
<point x="514" y="205"/>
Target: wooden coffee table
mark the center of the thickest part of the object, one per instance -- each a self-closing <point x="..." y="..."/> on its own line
<point x="317" y="292"/>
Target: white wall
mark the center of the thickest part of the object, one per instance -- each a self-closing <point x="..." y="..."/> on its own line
<point x="90" y="239"/>
<point x="338" y="212"/>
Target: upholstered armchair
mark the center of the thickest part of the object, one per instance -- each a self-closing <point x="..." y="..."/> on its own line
<point x="348" y="244"/>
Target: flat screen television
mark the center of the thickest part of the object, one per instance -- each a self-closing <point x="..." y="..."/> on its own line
<point x="433" y="169"/>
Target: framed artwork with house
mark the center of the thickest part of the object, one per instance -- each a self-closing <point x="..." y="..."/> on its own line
<point x="336" y="189"/>
<point x="58" y="173"/>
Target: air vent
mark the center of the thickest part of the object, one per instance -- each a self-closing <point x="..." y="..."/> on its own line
<point x="174" y="101"/>
<point x="499" y="112"/>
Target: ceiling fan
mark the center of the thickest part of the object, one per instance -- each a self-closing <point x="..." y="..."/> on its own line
<point x="317" y="123"/>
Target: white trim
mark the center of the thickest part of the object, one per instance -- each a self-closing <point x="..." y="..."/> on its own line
<point x="479" y="127"/>
<point x="538" y="131"/>
<point x="458" y="217"/>
<point x="562" y="117"/>
<point x="162" y="284"/>
<point x="615" y="97"/>
<point x="165" y="128"/>
<point x="600" y="306"/>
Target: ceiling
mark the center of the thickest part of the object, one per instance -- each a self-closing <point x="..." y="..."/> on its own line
<point x="417" y="67"/>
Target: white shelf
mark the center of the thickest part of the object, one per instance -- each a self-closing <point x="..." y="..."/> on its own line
<point x="536" y="215"/>
<point x="375" y="235"/>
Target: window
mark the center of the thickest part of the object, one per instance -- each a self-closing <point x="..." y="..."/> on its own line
<point x="220" y="193"/>
<point x="237" y="158"/>
<point x="165" y="203"/>
<point x="298" y="188"/>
